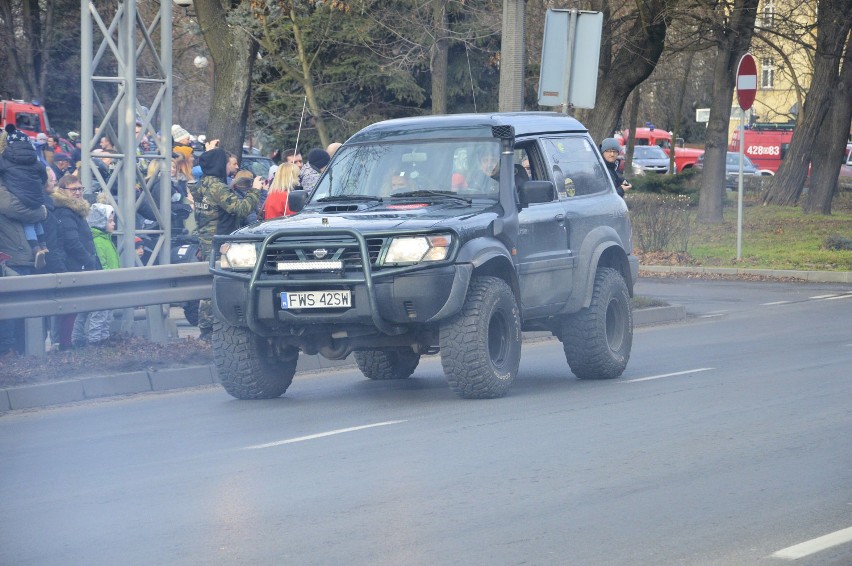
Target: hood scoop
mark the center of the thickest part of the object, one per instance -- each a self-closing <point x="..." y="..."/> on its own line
<point x="336" y="208"/>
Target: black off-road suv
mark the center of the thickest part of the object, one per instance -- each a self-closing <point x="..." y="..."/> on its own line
<point x="448" y="234"/>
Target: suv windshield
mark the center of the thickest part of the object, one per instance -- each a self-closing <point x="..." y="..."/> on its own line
<point x="415" y="169"/>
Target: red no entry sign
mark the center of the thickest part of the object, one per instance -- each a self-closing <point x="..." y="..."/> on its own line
<point x="746" y="81"/>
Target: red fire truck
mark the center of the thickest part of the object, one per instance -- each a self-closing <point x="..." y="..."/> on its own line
<point x="685" y="157"/>
<point x="29" y="117"/>
<point x="765" y="145"/>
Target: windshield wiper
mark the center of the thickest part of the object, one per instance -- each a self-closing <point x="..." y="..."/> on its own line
<point x="427" y="193"/>
<point x="343" y="198"/>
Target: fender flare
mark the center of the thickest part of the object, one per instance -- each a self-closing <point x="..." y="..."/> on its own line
<point x="597" y="242"/>
<point x="484" y="250"/>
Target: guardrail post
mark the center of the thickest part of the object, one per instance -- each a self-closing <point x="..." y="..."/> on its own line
<point x="156" y="324"/>
<point x="34" y="336"/>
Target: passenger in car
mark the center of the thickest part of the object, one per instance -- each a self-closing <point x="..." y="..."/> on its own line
<point x="396" y="182"/>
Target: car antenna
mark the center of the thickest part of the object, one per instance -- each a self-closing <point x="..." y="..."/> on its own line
<point x="299" y="131"/>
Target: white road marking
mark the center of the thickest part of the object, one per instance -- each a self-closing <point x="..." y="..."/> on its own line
<point x="847" y="296"/>
<point x="822" y="296"/>
<point x="776" y="303"/>
<point x="712" y="315"/>
<point x="667" y="375"/>
<point x="320" y="435"/>
<point x="814" y="545"/>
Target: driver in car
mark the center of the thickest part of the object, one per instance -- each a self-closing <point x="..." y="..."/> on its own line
<point x="485" y="178"/>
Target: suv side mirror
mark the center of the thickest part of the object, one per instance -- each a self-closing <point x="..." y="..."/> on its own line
<point x="532" y="192"/>
<point x="296" y="200"/>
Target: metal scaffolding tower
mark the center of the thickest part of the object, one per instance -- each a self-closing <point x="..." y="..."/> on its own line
<point x="114" y="100"/>
<point x="112" y="105"/>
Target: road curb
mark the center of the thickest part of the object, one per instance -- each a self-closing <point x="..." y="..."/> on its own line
<point x="165" y="379"/>
<point x="812" y="276"/>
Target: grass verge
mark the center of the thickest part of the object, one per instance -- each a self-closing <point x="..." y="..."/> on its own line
<point x="774" y="237"/>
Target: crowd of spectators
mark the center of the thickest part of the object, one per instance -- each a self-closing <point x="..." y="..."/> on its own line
<point x="50" y="223"/>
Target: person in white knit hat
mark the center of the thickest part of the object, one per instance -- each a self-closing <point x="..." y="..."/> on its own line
<point x="181" y="140"/>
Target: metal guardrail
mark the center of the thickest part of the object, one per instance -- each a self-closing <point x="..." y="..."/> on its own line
<point x="64" y="293"/>
<point x="32" y="297"/>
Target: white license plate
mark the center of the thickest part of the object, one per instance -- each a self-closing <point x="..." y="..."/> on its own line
<point x="316" y="300"/>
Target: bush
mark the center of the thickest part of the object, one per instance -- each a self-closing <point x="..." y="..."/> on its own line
<point x="685" y="183"/>
<point x="660" y="222"/>
<point x="838" y="243"/>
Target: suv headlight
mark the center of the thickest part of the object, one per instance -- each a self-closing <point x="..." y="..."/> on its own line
<point x="637" y="169"/>
<point x="238" y="255"/>
<point x="415" y="249"/>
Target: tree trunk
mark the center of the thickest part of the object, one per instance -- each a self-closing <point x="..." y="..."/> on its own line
<point x="678" y="109"/>
<point x="732" y="42"/>
<point x="833" y="23"/>
<point x="440" y="51"/>
<point x="829" y="149"/>
<point x="631" y="123"/>
<point x="233" y="52"/>
<point x="634" y="62"/>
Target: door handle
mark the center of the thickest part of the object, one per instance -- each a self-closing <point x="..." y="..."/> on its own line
<point x="559" y="217"/>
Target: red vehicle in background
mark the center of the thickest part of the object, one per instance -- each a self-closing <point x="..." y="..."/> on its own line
<point x="685" y="157"/>
<point x="765" y="145"/>
<point x="29" y="117"/>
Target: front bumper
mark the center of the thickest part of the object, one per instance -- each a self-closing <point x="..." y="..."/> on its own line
<point x="390" y="299"/>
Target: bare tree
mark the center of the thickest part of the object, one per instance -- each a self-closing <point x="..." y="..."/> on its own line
<point x="26" y="35"/>
<point x="631" y="45"/>
<point x="233" y="51"/>
<point x="829" y="148"/>
<point x="834" y="20"/>
<point x="732" y="34"/>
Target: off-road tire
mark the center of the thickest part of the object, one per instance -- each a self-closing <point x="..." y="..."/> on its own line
<point x="481" y="346"/>
<point x="190" y="312"/>
<point x="387" y="364"/>
<point x="597" y="340"/>
<point x="248" y="366"/>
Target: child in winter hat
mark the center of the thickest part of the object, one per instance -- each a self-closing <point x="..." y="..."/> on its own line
<point x="25" y="176"/>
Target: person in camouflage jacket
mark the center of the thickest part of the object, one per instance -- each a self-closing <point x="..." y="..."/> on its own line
<point x="218" y="210"/>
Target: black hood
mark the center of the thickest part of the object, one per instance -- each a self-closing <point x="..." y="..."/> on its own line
<point x="214" y="163"/>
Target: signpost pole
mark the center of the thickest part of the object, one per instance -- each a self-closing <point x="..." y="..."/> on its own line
<point x="740" y="189"/>
<point x="746" y="90"/>
<point x="566" y="84"/>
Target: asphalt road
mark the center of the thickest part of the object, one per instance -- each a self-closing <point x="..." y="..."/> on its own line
<point x="727" y="441"/>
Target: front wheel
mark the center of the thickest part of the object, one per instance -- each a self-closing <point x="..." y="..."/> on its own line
<point x="248" y="365"/>
<point x="597" y="340"/>
<point x="387" y="364"/>
<point x="481" y="346"/>
<point x="190" y="312"/>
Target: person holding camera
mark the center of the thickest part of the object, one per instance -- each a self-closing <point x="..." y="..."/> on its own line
<point x="218" y="210"/>
<point x="611" y="150"/>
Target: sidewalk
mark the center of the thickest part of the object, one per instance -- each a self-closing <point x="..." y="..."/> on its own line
<point x="85" y="388"/>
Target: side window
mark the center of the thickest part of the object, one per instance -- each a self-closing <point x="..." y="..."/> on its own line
<point x="577" y="170"/>
<point x="522" y="166"/>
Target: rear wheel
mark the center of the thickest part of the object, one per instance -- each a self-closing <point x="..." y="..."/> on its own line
<point x="248" y="365"/>
<point x="481" y="347"/>
<point x="387" y="364"/>
<point x="597" y="340"/>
